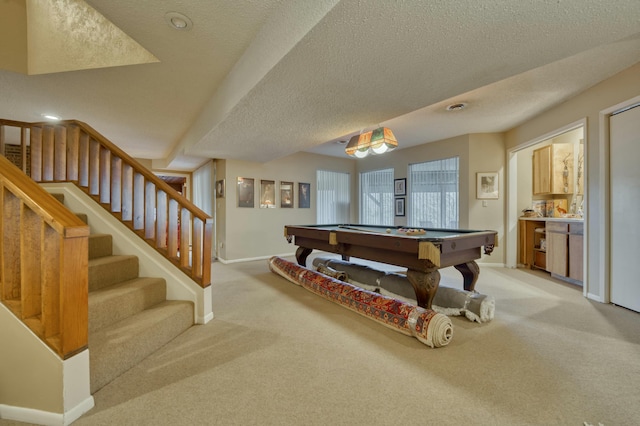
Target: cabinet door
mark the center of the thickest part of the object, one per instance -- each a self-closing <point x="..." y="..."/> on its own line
<point x="575" y="257"/>
<point x="562" y="168"/>
<point x="542" y="170"/>
<point x="557" y="252"/>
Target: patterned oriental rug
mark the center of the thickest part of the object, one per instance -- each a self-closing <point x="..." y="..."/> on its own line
<point x="429" y="327"/>
<point x="448" y="301"/>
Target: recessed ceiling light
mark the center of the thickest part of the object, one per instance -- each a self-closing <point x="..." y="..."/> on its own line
<point x="50" y="117"/>
<point x="341" y="142"/>
<point x="178" y="21"/>
<point x="457" y="107"/>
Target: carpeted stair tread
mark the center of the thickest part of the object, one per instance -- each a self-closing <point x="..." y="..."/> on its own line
<point x="119" y="301"/>
<point x="108" y="270"/>
<point x="120" y="346"/>
<point x="83" y="217"/>
<point x="100" y="245"/>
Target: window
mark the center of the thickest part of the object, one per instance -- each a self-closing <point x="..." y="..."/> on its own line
<point x="332" y="200"/>
<point x="376" y="197"/>
<point x="433" y="194"/>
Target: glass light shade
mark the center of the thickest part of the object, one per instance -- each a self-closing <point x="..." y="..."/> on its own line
<point x="383" y="140"/>
<point x="359" y="145"/>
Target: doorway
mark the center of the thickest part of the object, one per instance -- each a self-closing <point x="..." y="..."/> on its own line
<point x="570" y="197"/>
<point x="624" y="175"/>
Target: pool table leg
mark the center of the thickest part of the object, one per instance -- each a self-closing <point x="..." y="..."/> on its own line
<point x="425" y="284"/>
<point x="470" y="272"/>
<point x="301" y="255"/>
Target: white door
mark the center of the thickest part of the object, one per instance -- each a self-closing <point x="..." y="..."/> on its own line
<point x="625" y="207"/>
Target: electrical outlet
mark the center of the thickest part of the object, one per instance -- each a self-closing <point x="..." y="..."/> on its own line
<point x="485" y="203"/>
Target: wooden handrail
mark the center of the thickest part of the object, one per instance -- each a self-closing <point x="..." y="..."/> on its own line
<point x="72" y="151"/>
<point x="43" y="262"/>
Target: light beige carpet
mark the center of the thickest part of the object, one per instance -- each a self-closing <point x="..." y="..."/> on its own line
<point x="276" y="354"/>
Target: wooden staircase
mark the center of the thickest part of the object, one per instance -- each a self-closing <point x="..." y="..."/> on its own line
<point x="129" y="316"/>
<point x="76" y="292"/>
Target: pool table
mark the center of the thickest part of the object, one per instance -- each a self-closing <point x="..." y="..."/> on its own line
<point x="422" y="254"/>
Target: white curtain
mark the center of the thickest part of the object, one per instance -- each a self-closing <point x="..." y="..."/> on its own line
<point x="332" y="197"/>
<point x="376" y="197"/>
<point x="203" y="188"/>
<point x="433" y="194"/>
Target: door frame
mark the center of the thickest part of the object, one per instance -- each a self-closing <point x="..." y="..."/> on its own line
<point x="605" y="183"/>
<point x="512" y="194"/>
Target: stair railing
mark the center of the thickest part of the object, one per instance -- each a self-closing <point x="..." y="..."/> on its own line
<point x="43" y="262"/>
<point x="72" y="151"/>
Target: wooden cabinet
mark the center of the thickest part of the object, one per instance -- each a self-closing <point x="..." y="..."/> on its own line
<point x="576" y="251"/>
<point x="553" y="169"/>
<point x="565" y="250"/>
<point x="533" y="251"/>
<point x="555" y="246"/>
<point x="558" y="248"/>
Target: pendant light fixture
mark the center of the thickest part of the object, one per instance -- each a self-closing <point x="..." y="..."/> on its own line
<point x="376" y="141"/>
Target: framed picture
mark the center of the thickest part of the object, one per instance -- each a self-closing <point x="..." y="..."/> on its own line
<point x="220" y="188"/>
<point x="245" y="192"/>
<point x="400" y="205"/>
<point x="267" y="194"/>
<point x="400" y="187"/>
<point x="286" y="195"/>
<point x="304" y="195"/>
<point x="487" y="186"/>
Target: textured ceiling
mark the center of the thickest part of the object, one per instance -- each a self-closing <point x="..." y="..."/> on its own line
<point x="261" y="79"/>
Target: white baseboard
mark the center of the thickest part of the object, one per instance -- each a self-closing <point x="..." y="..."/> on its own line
<point x="39" y="417"/>
<point x="592" y="296"/>
<point x="251" y="259"/>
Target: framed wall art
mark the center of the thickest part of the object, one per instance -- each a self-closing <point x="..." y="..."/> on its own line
<point x="487" y="186"/>
<point x="286" y="195"/>
<point x="400" y="206"/>
<point x="267" y="194"/>
<point x="400" y="187"/>
<point x="245" y="192"/>
<point x="220" y="188"/>
<point x="304" y="195"/>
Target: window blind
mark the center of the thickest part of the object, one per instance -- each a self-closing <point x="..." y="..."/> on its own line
<point x="332" y="197"/>
<point x="433" y="194"/>
<point x="376" y="197"/>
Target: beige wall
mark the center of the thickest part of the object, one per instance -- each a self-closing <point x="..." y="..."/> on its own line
<point x="477" y="153"/>
<point x="588" y="105"/>
<point x="251" y="233"/>
<point x="13" y="36"/>
<point x="30" y="373"/>
<point x="245" y="233"/>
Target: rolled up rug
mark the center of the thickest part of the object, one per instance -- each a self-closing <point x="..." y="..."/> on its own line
<point x="448" y="301"/>
<point x="429" y="327"/>
<point x="359" y="275"/>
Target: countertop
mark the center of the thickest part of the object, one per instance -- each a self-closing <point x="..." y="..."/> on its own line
<point x="553" y="219"/>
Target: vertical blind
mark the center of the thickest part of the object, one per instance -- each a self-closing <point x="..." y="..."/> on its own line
<point x="376" y="197"/>
<point x="332" y="197"/>
<point x="202" y="183"/>
<point x="433" y="192"/>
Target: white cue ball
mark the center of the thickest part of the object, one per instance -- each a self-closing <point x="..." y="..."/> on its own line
<point x="388" y="230"/>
